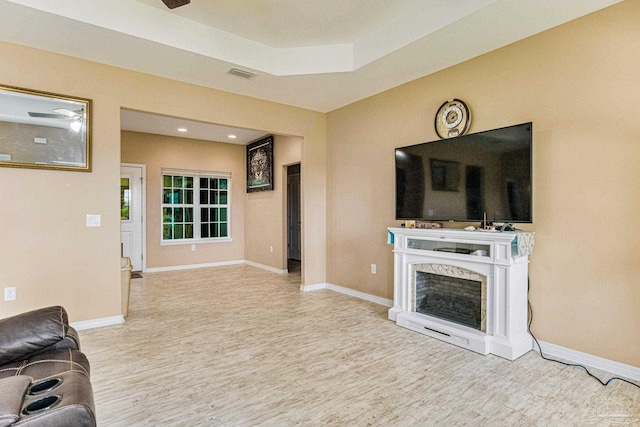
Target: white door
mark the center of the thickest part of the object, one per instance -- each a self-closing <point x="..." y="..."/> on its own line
<point x="131" y="213"/>
<point x="293" y="216"/>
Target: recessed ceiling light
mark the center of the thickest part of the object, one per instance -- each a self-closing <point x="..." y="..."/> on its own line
<point x="231" y="136"/>
<point x="182" y="129"/>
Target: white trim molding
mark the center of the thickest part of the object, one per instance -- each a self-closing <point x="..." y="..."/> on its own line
<point x="266" y="267"/>
<point x="316" y="287"/>
<point x="97" y="323"/>
<point x="348" y="291"/>
<point x="193" y="266"/>
<point x="577" y="357"/>
<point x="216" y="264"/>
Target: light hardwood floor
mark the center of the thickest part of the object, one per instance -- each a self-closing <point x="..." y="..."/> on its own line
<point x="239" y="346"/>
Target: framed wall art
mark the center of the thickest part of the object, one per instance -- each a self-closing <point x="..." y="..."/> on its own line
<point x="260" y="165"/>
<point x="44" y="130"/>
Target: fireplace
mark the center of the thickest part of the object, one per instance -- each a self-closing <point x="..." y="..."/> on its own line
<point x="452" y="294"/>
<point x="465" y="288"/>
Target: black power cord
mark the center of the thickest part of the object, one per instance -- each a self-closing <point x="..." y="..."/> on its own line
<point x="566" y="363"/>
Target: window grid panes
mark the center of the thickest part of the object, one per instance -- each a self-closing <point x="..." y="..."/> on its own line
<point x="183" y="197"/>
<point x="214" y="207"/>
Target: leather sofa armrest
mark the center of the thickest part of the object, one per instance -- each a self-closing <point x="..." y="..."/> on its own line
<point x="32" y="332"/>
<point x="12" y="392"/>
<point x="71" y="340"/>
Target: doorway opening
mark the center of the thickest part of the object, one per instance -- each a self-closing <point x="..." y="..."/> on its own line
<point x="294" y="219"/>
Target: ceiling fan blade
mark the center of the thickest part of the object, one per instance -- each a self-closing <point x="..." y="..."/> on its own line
<point x="172" y="4"/>
<point x="67" y="113"/>
<point x="46" y="115"/>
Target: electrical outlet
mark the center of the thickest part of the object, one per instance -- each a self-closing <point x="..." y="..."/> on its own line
<point x="373" y="269"/>
<point x="10" y="294"/>
<point x="271" y="249"/>
<point x="193" y="247"/>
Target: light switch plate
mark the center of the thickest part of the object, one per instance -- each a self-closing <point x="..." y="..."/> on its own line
<point x="93" y="220"/>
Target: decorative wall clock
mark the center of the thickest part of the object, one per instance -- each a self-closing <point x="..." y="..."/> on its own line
<point x="452" y="119"/>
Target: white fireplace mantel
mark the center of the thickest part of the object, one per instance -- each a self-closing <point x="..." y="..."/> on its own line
<point x="502" y="258"/>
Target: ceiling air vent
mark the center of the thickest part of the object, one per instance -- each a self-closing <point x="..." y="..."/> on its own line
<point x="241" y="73"/>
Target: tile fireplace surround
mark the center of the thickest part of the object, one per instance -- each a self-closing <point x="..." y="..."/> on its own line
<point x="478" y="272"/>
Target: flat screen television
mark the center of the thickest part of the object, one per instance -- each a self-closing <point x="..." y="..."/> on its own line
<point x="465" y="177"/>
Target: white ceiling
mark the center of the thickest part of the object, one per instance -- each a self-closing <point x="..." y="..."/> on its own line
<point x="295" y="23"/>
<point x="318" y="55"/>
<point x="164" y="125"/>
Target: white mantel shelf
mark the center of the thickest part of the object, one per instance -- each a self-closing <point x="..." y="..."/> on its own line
<point x="500" y="257"/>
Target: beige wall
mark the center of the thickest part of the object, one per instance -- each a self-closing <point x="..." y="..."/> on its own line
<point x="578" y="84"/>
<point x="265" y="216"/>
<point x="47" y="253"/>
<point x="157" y="152"/>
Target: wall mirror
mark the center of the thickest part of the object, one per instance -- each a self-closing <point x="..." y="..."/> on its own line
<point x="44" y="130"/>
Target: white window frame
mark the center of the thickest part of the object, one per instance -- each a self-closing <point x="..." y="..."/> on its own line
<point x="196" y="175"/>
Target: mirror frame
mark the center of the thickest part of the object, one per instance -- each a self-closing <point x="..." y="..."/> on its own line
<point x="85" y="129"/>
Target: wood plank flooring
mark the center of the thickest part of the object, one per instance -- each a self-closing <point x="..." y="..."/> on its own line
<point x="239" y="346"/>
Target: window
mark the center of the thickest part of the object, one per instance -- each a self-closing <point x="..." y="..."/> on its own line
<point x="195" y="206"/>
<point x="125" y="199"/>
<point x="214" y="207"/>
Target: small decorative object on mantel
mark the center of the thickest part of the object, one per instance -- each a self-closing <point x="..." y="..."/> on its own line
<point x="420" y="224"/>
<point x="428" y="224"/>
<point x="452" y="119"/>
<point x="260" y="165"/>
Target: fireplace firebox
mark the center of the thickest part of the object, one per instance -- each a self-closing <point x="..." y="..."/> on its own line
<point x="451" y="298"/>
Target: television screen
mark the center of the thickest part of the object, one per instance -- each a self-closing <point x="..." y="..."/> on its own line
<point x="466" y="177"/>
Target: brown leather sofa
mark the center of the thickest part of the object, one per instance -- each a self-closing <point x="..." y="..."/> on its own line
<point x="44" y="378"/>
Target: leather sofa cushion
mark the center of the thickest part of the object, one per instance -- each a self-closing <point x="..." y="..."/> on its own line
<point x="32" y="332"/>
<point x="47" y="365"/>
<point x="12" y="391"/>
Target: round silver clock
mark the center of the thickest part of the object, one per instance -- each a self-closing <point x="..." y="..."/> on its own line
<point x="452" y="119"/>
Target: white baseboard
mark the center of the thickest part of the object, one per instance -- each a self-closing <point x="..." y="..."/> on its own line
<point x="215" y="264"/>
<point x="316" y="287"/>
<point x="97" y="323"/>
<point x="348" y="291"/>
<point x="266" y="267"/>
<point x="577" y="357"/>
<point x="193" y="266"/>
